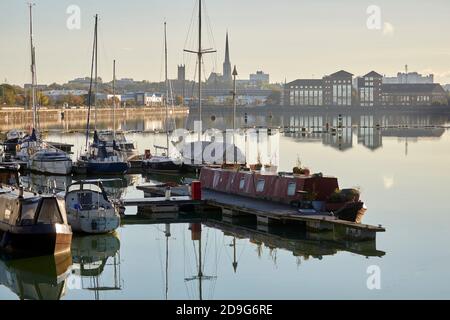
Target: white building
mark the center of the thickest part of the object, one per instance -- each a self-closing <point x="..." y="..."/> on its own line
<point x="107" y="97"/>
<point x="153" y="99"/>
<point x="409" y="78"/>
<point x="259" y="78"/>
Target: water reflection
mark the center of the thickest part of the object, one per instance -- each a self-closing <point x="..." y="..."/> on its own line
<point x="332" y="128"/>
<point x="204" y="241"/>
<point x="38" y="278"/>
<point x="45" y="184"/>
<point x="91" y="256"/>
<point x="115" y="186"/>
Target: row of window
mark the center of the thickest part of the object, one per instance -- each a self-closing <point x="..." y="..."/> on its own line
<point x="306" y="87"/>
<point x="405" y="98"/>
<point x="306" y="97"/>
<point x="342" y="95"/>
<point x="338" y="81"/>
<point x="292" y="186"/>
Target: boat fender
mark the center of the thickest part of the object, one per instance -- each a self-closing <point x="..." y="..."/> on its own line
<point x="94" y="225"/>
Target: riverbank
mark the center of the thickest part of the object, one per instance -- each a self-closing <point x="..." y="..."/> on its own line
<point x="11" y="117"/>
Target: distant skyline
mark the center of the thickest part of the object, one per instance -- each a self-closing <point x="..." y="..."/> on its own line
<point x="288" y="39"/>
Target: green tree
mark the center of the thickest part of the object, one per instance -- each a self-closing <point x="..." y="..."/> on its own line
<point x="42" y="99"/>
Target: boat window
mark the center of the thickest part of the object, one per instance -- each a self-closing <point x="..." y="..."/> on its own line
<point x="291" y="188"/>
<point x="242" y="183"/>
<point x="260" y="185"/>
<point x="74" y="188"/>
<point x="85" y="200"/>
<point x="91" y="187"/>
<point x="29" y="212"/>
<point x="49" y="212"/>
<point x="7" y="214"/>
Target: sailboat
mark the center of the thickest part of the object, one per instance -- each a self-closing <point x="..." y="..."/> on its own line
<point x="100" y="157"/>
<point x="164" y="163"/>
<point x="126" y="147"/>
<point x="41" y="157"/>
<point x="89" y="210"/>
<point x="193" y="152"/>
<point x="13" y="139"/>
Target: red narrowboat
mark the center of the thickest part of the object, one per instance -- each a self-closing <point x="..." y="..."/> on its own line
<point x="311" y="193"/>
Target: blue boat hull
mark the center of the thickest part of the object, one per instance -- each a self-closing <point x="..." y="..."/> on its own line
<point x="107" y="168"/>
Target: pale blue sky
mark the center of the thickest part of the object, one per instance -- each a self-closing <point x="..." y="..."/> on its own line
<point x="286" y="38"/>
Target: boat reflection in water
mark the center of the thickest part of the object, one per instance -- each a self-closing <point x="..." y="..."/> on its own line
<point x="45" y="184"/>
<point x="302" y="244"/>
<point x="91" y="256"/>
<point x="38" y="278"/>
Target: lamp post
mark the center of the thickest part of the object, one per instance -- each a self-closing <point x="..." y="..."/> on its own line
<point x="234" y="113"/>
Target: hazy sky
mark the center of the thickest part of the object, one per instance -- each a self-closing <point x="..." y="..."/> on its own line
<point x="286" y="38"/>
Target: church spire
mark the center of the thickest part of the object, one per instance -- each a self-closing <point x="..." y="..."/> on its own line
<point x="227" y="51"/>
<point x="227" y="63"/>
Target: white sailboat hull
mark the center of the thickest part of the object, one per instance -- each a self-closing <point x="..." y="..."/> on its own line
<point x="93" y="221"/>
<point x="63" y="167"/>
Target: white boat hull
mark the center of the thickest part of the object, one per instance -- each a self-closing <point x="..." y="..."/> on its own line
<point x="51" y="167"/>
<point x="93" y="221"/>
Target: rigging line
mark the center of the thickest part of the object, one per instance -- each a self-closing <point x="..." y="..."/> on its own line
<point x="213" y="286"/>
<point x="194" y="10"/>
<point x="205" y="248"/>
<point x="105" y="53"/>
<point x="190" y="272"/>
<point x="161" y="69"/>
<point x="194" y="83"/>
<point x="184" y="261"/>
<point x="211" y="35"/>
<point x="243" y="250"/>
<point x="160" y="260"/>
<point x="204" y="69"/>
<point x="195" y="254"/>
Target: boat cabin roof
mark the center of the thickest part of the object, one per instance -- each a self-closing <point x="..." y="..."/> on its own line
<point x="90" y="185"/>
<point x="280" y="174"/>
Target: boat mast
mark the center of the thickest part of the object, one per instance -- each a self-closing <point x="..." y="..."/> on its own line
<point x="90" y="84"/>
<point x="200" y="67"/>
<point x="235" y="263"/>
<point x="167" y="89"/>
<point x="114" y="100"/>
<point x="33" y="67"/>
<point x="200" y="54"/>
<point x="96" y="72"/>
<point x="167" y="234"/>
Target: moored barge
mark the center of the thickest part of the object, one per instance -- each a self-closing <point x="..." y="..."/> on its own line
<point x="312" y="194"/>
<point x="33" y="224"/>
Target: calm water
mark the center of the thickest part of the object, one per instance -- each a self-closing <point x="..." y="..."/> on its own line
<point x="403" y="175"/>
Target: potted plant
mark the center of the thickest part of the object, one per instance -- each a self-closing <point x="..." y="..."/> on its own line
<point x="258" y="165"/>
<point x="299" y="170"/>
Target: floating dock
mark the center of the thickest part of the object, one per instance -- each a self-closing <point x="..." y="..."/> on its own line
<point x="162" y="204"/>
<point x="267" y="213"/>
